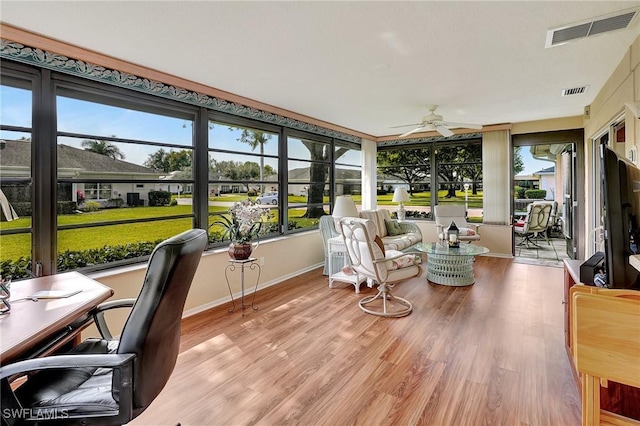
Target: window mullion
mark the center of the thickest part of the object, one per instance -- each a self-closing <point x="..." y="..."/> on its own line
<point x="44" y="160"/>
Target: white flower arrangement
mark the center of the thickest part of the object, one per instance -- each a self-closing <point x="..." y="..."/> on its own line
<point x="245" y="221"/>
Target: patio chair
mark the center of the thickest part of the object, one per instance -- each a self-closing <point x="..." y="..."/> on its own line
<point x="535" y="225"/>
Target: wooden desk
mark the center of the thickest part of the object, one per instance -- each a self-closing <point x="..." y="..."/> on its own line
<point x="37" y="328"/>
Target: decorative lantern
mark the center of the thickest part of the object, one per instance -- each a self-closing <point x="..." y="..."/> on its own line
<point x="453" y="234"/>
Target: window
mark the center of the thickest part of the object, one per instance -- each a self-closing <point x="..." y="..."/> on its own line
<point x="243" y="163"/>
<point x="459" y="177"/>
<point x="16" y="174"/>
<point x="348" y="170"/>
<point x="308" y="190"/>
<point x="121" y="168"/>
<point x="126" y="169"/>
<point x="437" y="172"/>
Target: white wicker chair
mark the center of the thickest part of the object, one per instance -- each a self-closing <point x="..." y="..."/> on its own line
<point x="445" y="214"/>
<point x="367" y="259"/>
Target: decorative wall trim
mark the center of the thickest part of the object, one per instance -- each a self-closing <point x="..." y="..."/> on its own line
<point x="429" y="139"/>
<point x="32" y="56"/>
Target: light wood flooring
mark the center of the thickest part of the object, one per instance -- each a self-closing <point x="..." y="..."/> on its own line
<point x="491" y="353"/>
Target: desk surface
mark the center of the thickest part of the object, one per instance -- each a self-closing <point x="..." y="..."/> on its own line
<point x="31" y="323"/>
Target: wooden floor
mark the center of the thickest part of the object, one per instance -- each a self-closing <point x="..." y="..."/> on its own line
<point x="491" y="353"/>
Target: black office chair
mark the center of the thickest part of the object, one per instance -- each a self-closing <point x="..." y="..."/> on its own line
<point x="106" y="381"/>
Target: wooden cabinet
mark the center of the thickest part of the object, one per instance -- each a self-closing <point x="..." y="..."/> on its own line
<point x="615" y="397"/>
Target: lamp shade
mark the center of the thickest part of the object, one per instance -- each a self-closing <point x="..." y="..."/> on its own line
<point x="345" y="207"/>
<point x="400" y="195"/>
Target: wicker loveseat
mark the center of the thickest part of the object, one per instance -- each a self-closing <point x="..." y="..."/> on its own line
<point x="404" y="242"/>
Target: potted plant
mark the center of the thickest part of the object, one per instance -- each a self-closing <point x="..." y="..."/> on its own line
<point x="242" y="226"/>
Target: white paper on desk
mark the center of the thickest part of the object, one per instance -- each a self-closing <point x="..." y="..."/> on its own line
<point x="55" y="294"/>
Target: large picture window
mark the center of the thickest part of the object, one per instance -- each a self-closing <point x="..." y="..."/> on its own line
<point x="125" y="170"/>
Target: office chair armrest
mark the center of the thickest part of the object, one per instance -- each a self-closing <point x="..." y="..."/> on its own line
<point x="66" y="361"/>
<point x="98" y="315"/>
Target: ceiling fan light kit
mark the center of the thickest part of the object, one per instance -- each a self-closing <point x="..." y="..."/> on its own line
<point x="434" y="121"/>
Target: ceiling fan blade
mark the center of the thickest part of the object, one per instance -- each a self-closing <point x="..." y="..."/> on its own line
<point x="462" y="125"/>
<point x="410" y="132"/>
<point x="406" y="125"/>
<point x="444" y="131"/>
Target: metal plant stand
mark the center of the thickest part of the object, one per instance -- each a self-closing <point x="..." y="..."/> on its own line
<point x="250" y="263"/>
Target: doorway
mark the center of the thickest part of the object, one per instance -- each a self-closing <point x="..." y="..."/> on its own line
<point x="544" y="173"/>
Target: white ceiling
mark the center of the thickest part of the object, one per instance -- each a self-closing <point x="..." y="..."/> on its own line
<point x="366" y="66"/>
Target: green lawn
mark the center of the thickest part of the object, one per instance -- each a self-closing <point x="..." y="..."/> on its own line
<point x="19" y="245"/>
<point x="424" y="199"/>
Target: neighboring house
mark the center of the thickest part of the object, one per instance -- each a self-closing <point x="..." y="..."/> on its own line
<point x="78" y="165"/>
<point x="347" y="181"/>
<point x="547" y="179"/>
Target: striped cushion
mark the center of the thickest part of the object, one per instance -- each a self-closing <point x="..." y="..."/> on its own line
<point x="377" y="217"/>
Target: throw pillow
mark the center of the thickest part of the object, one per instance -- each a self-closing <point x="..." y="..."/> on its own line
<point x="379" y="242"/>
<point x="393" y="227"/>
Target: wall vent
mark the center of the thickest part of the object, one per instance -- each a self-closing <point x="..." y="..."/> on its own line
<point x="574" y="91"/>
<point x="592" y="27"/>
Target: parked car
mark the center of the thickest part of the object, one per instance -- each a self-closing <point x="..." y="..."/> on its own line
<point x="268" y="198"/>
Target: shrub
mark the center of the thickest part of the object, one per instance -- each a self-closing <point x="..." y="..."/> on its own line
<point x="159" y="198"/>
<point x="67" y="207"/>
<point x="536" y="194"/>
<point x="114" y="203"/>
<point x="519" y="191"/>
<point x="16" y="269"/>
<point x="173" y="202"/>
<point x="91" y="206"/>
<point x="78" y="259"/>
<point x="22" y="208"/>
<point x="252" y="193"/>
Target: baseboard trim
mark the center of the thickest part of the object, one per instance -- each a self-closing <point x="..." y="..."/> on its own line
<point x="226" y="299"/>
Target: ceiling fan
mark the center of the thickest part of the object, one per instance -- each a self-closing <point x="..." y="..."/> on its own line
<point x="434" y="121"/>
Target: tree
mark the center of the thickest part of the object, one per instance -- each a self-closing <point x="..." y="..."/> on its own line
<point x="169" y="161"/>
<point x="470" y="159"/>
<point x="449" y="167"/>
<point x="255" y="138"/>
<point x="409" y="165"/>
<point x="318" y="175"/>
<point x="235" y="170"/>
<point x="518" y="163"/>
<point x="103" y="148"/>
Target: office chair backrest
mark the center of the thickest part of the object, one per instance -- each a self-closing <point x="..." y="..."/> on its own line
<point x="538" y="215"/>
<point x="152" y="330"/>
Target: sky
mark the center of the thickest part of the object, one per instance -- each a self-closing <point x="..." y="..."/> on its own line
<point x="531" y="165"/>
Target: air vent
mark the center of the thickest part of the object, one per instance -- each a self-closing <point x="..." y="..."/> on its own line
<point x="592" y="27"/>
<point x="574" y="91"/>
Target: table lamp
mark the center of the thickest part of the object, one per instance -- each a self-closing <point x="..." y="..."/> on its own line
<point x="344" y="207"/>
<point x="400" y="195"/>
